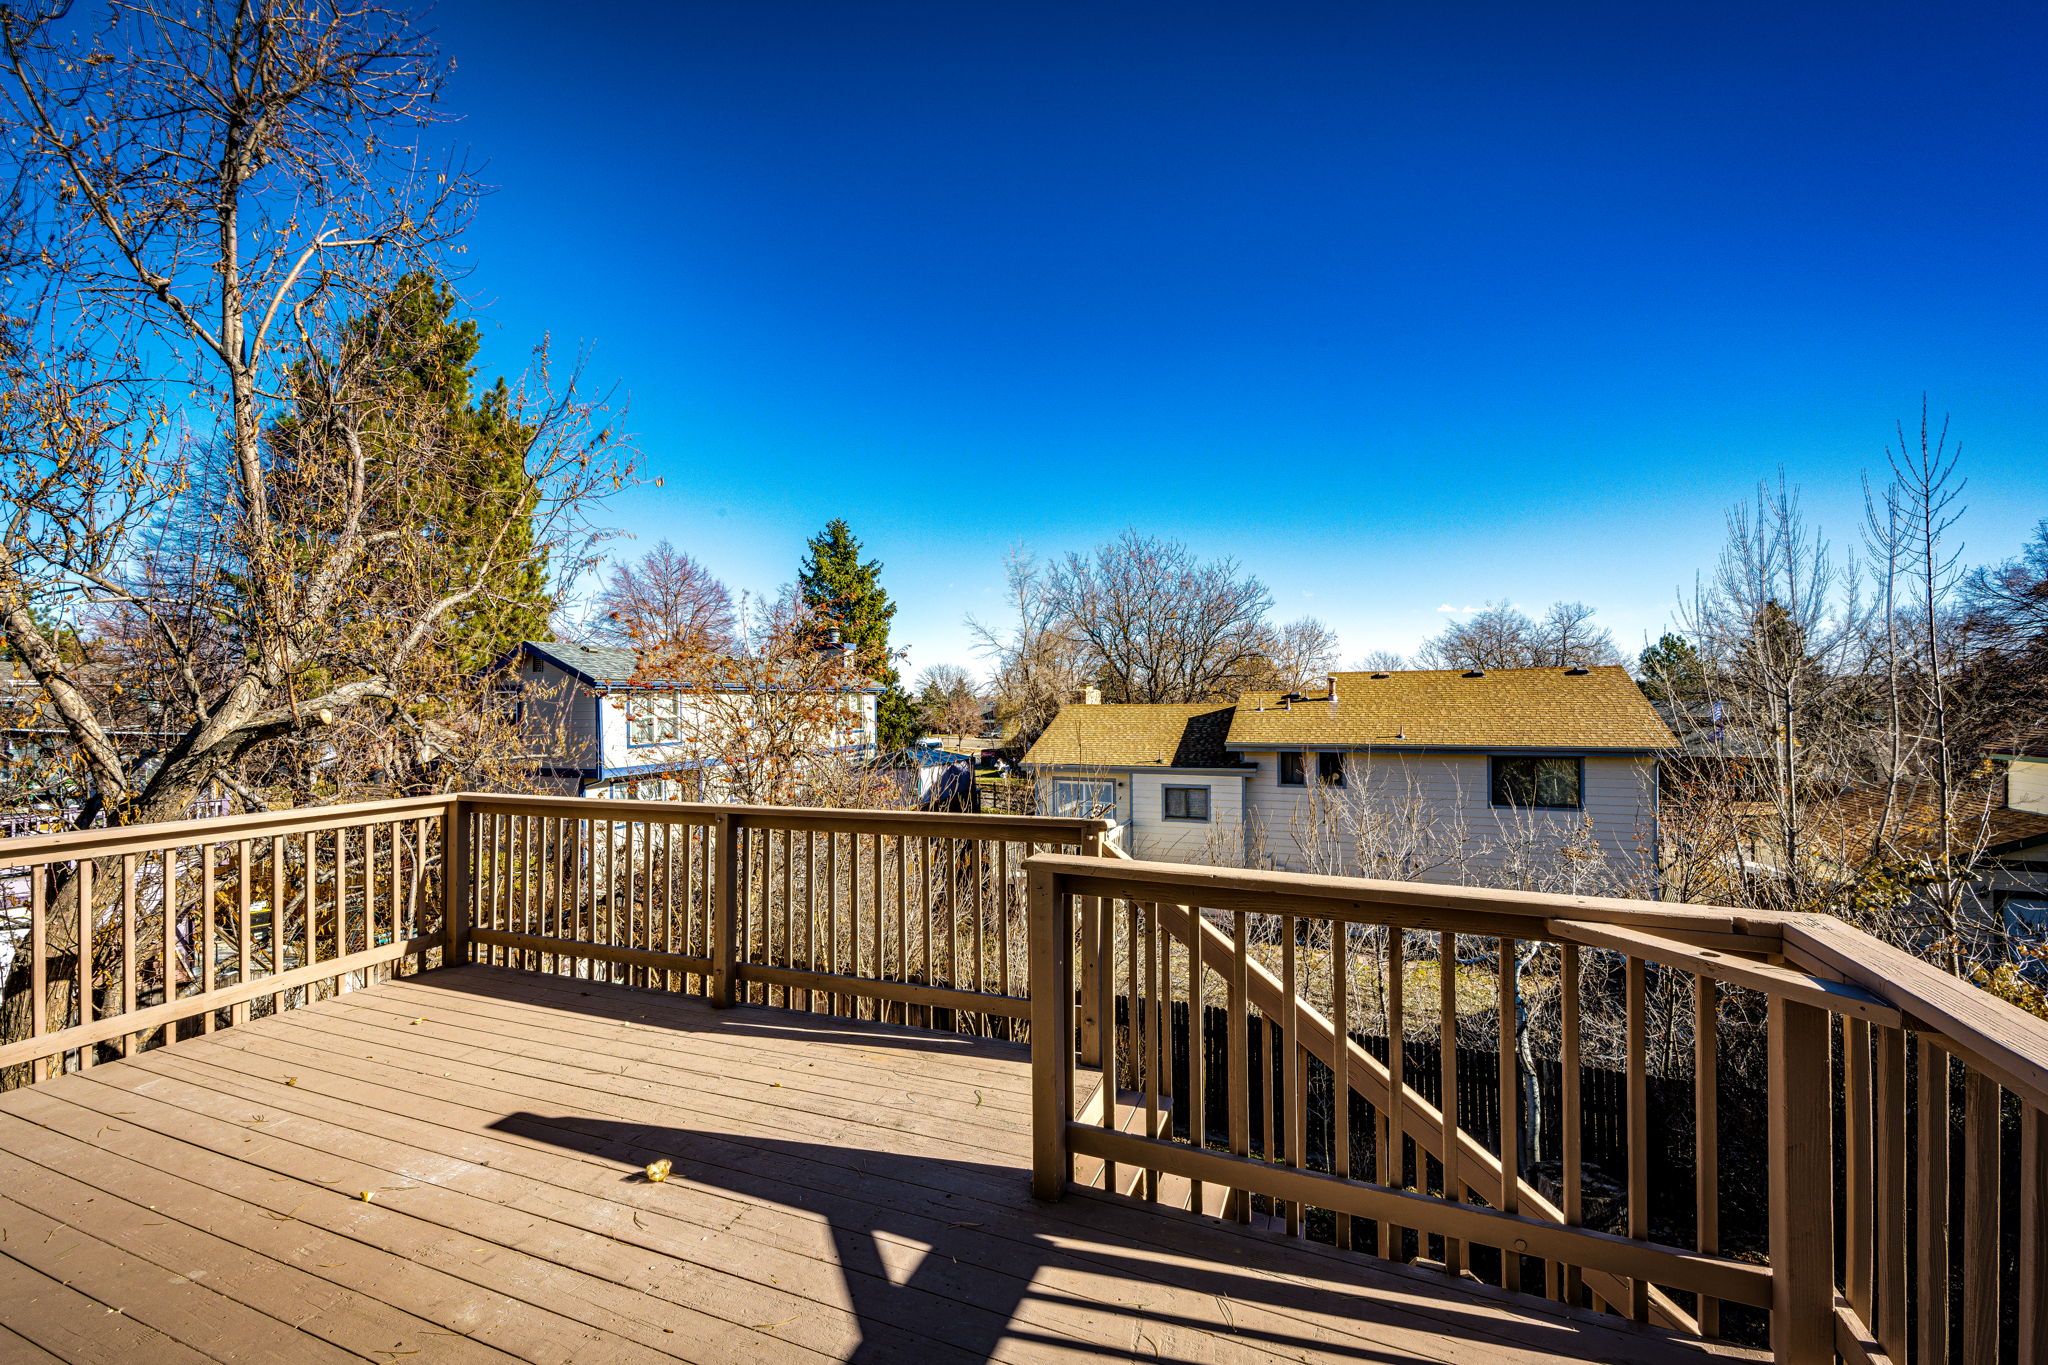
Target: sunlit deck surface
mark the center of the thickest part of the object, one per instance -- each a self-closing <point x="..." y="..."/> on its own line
<point x="449" y="1167"/>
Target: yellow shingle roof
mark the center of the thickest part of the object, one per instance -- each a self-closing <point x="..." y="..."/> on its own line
<point x="1515" y="708"/>
<point x="1132" y="736"/>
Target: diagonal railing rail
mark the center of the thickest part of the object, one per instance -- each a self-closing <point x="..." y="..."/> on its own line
<point x="1226" y="1006"/>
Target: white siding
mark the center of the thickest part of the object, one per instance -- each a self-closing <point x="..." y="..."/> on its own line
<point x="1219" y="840"/>
<point x="1429" y="817"/>
<point x="2026" y="784"/>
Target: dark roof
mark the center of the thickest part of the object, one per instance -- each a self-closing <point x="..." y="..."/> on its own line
<point x="1137" y="736"/>
<point x="605" y="666"/>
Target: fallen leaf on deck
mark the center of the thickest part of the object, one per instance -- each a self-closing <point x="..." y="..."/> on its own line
<point x="366" y="1195"/>
<point x="657" y="1171"/>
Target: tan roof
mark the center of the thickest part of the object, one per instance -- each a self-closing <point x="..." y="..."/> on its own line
<point x="1135" y="736"/>
<point x="1513" y="708"/>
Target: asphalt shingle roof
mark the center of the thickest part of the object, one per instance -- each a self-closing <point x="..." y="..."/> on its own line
<point x="1134" y="736"/>
<point x="1513" y="708"/>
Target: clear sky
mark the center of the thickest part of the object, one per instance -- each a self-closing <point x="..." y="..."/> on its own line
<point x="1402" y="306"/>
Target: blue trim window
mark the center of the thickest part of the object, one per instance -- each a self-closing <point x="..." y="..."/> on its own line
<point x="1539" y="783"/>
<point x="1186" y="803"/>
<point x="651" y="718"/>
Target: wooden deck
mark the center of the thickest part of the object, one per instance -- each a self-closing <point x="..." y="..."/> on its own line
<point x="448" y="1167"/>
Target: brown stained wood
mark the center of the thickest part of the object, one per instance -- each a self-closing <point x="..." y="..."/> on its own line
<point x="39" y="978"/>
<point x="1930" y="1201"/>
<point x="2033" y="1236"/>
<point x="1052" y="1028"/>
<point x="1447" y="1052"/>
<point x="124" y="839"/>
<point x="1572" y="1102"/>
<point x="1394" y="1154"/>
<point x="1706" y="1108"/>
<point x="1637" y="1041"/>
<point x="942" y="1259"/>
<point x="1859" y="1256"/>
<point x="127" y="1039"/>
<point x="1340" y="1081"/>
<point x="1888" y="1153"/>
<point x="1801" y="1177"/>
<point x="1980" y="1268"/>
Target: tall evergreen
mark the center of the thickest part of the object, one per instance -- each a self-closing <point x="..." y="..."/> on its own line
<point x="1672" y="670"/>
<point x="848" y="593"/>
<point x="472" y="505"/>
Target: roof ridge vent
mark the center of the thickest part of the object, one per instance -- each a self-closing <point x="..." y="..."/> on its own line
<point x="1381" y="675"/>
<point x="1475" y="672"/>
<point x="1577" y="672"/>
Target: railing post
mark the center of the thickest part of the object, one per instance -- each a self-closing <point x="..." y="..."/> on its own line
<point x="1052" y="1036"/>
<point x="1802" y="1182"/>
<point x="724" y="925"/>
<point x="456" y="887"/>
<point x="1091" y="962"/>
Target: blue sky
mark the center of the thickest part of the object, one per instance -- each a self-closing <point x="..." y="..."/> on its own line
<point x="1400" y="306"/>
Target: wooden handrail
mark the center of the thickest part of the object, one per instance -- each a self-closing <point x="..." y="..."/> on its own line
<point x="1834" y="992"/>
<point x="113" y="840"/>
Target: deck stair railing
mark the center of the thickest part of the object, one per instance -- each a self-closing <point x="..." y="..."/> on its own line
<point x="1939" y="1226"/>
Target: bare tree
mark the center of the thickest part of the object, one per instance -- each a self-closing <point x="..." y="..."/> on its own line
<point x="1300" y="655"/>
<point x="212" y="206"/>
<point x="1504" y="636"/>
<point x="1158" y="624"/>
<point x="666" y="601"/>
<point x="1381" y="661"/>
<point x="773" y="717"/>
<point x="1039" y="665"/>
<point x="947" y="701"/>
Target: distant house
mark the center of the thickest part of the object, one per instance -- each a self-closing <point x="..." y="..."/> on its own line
<point x="599" y="731"/>
<point x="2013" y="870"/>
<point x="1436" y="775"/>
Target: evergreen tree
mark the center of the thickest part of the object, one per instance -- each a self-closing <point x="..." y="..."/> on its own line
<point x="1671" y="670"/>
<point x="841" y="590"/>
<point x="473" y="504"/>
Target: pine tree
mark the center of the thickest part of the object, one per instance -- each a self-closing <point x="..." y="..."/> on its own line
<point x="1671" y="670"/>
<point x="474" y="504"/>
<point x="841" y="590"/>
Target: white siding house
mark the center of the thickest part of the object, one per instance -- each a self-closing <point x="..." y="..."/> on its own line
<point x="596" y="731"/>
<point x="1537" y="778"/>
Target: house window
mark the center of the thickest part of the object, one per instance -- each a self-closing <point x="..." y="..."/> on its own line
<point x="1330" y="768"/>
<point x="1187" y="803"/>
<point x="650" y="720"/>
<point x="1543" y="783"/>
<point x="1291" y="774"/>
<point x="1070" y="797"/>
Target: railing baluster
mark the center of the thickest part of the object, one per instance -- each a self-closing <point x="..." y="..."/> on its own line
<point x="167" y="930"/>
<point x="1574" y="1114"/>
<point x="1156" y="1038"/>
<point x="1340" y="1067"/>
<point x="1638" y="1127"/>
<point x="128" y="1040"/>
<point x="244" y="929"/>
<point x="1889" y="1155"/>
<point x="1198" y="1051"/>
<point x="208" y="889"/>
<point x="1802" y="1220"/>
<point x="1394" y="1172"/>
<point x="1509" y="1072"/>
<point x="1931" y="1202"/>
<point x="1858" y="1256"/>
<point x="1447" y="1070"/>
<point x="1706" y="1007"/>
<point x="2033" y="1236"/>
<point x="38" y="946"/>
<point x="1238" y="1058"/>
<point x="1980" y="1268"/>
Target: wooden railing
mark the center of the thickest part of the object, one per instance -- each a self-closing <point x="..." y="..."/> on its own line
<point x="1225" y="1010"/>
<point x="910" y="916"/>
<point x="1900" y="1152"/>
<point x="194" y="925"/>
<point x="135" y="936"/>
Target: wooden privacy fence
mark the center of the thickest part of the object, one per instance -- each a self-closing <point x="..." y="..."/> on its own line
<point x="1904" y="1128"/>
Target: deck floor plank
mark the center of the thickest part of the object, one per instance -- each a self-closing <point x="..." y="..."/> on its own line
<point x="842" y="1191"/>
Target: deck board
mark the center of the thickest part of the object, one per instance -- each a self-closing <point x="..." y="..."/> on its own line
<point x="842" y="1191"/>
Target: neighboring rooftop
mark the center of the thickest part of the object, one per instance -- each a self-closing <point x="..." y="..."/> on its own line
<point x="1137" y="735"/>
<point x="1515" y="708"/>
<point x="604" y="666"/>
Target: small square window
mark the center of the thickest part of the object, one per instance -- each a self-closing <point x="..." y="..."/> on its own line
<point x="1187" y="803"/>
<point x="1291" y="774"/>
<point x="1330" y="768"/>
<point x="1539" y="783"/>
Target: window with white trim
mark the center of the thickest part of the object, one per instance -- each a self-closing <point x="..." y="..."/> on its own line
<point x="651" y="718"/>
<point x="1074" y="796"/>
